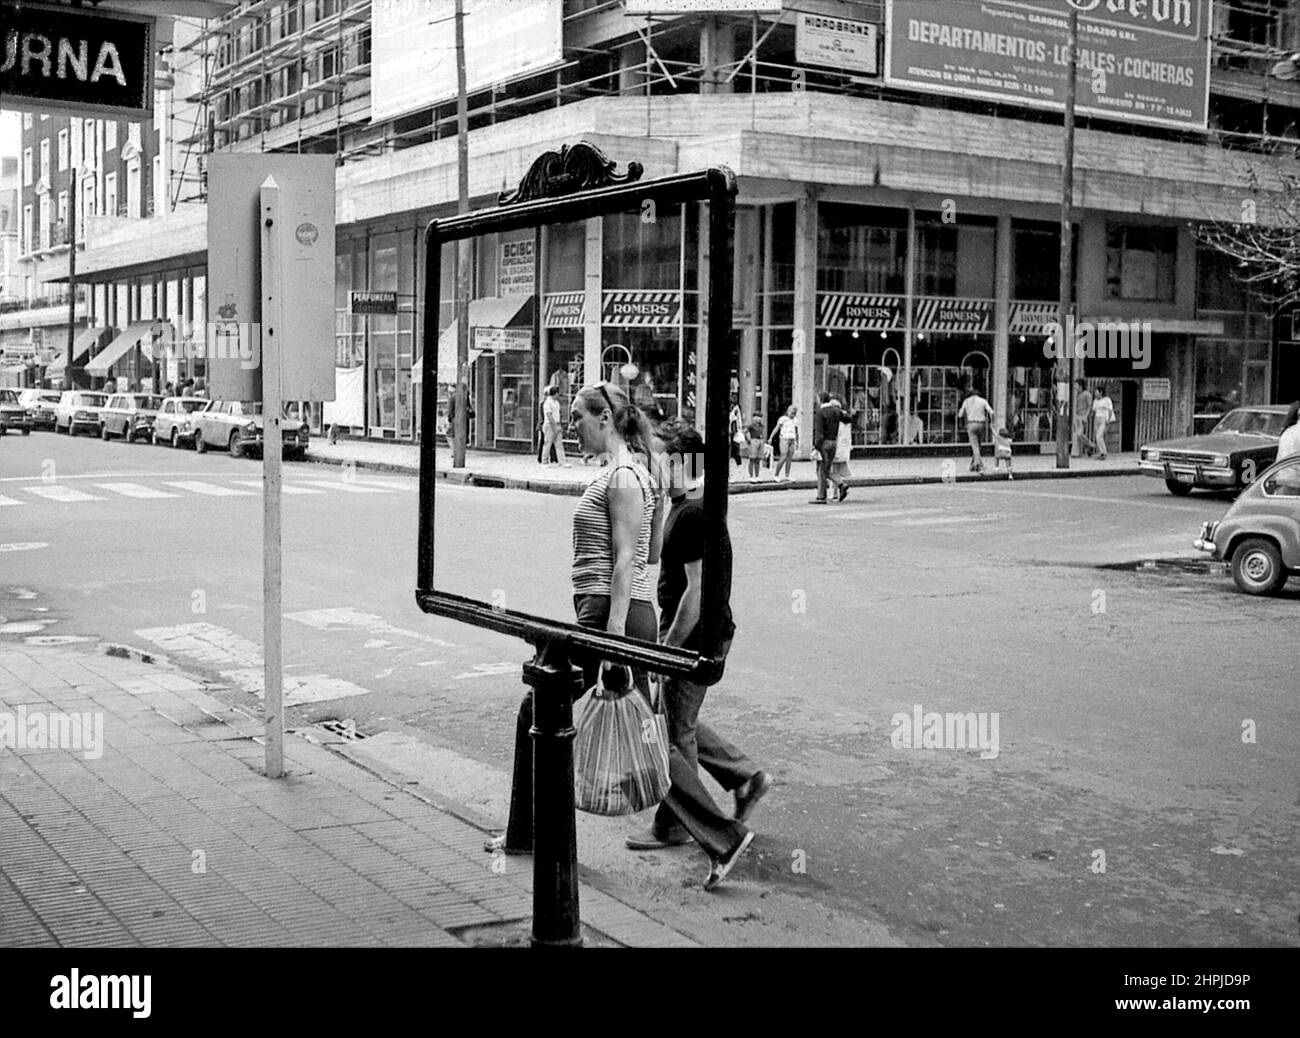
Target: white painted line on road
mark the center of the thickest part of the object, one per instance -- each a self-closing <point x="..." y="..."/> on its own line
<point x="205" y="643"/>
<point x="64" y="495"/>
<point x="344" y="617"/>
<point x="865" y="513"/>
<point x="5" y="501"/>
<point x="1161" y="504"/>
<point x="63" y="477"/>
<point x="137" y="490"/>
<point x="298" y="688"/>
<point x="488" y="670"/>
<point x="285" y="488"/>
<point x="210" y="489"/>
<point x="23" y="546"/>
<point x="947" y="520"/>
<point x="341" y="484"/>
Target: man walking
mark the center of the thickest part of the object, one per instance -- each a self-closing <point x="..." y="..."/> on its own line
<point x="977" y="414"/>
<point x="689" y="811"/>
<point x="826" y="432"/>
<point x="1082" y="419"/>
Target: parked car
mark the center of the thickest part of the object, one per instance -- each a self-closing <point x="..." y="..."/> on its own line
<point x="42" y="403"/>
<point x="78" y="409"/>
<point x="174" y="422"/>
<point x="1259" y="536"/>
<point x="1228" y="457"/>
<point x="14" y="414"/>
<point x="236" y="425"/>
<point x="129" y="415"/>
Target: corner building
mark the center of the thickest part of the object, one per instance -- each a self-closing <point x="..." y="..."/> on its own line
<point x="895" y="243"/>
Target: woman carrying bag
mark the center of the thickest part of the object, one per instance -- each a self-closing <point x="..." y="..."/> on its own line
<point x="616" y="531"/>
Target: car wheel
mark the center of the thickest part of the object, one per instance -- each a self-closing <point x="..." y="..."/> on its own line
<point x="1178" y="489"/>
<point x="236" y="448"/>
<point x="153" y="438"/>
<point x="103" y="431"/>
<point x="1257" y="567"/>
<point x="176" y="438"/>
<point x="27" y="432"/>
<point x="200" y="444"/>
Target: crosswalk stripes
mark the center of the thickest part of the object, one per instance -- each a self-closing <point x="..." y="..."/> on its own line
<point x="62" y="494"/>
<point x="285" y="488"/>
<point x="136" y="490"/>
<point x="339" y="484"/>
<point x="209" y="489"/>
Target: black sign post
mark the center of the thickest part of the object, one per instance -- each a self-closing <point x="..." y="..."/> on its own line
<point x="573" y="185"/>
<point x="92" y="61"/>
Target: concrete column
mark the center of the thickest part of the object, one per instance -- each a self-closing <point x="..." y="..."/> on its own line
<point x="805" y="314"/>
<point x="631" y="66"/>
<point x="1002" y="318"/>
<point x="591" y="320"/>
<point x="717" y="48"/>
<point x="744" y="303"/>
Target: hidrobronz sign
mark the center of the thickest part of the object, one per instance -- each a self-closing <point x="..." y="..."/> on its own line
<point x="89" y="60"/>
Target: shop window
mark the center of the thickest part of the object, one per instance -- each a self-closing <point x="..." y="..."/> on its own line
<point x="1218" y="282"/>
<point x="956" y="260"/>
<point x="643" y="253"/>
<point x="1036" y="260"/>
<point x="859" y="249"/>
<point x="1140" y="262"/>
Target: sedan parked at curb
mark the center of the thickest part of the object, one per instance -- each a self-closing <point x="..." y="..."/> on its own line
<point x="237" y="426"/>
<point x="42" y="403"/>
<point x="174" y="423"/>
<point x="78" y="409"/>
<point x="1259" y="536"/>
<point x="129" y="415"/>
<point x="1228" y="457"/>
<point x="15" y="416"/>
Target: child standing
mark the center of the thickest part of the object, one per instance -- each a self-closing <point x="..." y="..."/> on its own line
<point x="755" y="441"/>
<point x="1002" y="451"/>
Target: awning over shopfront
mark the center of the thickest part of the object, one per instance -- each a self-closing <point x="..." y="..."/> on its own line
<point x="86" y="338"/>
<point x="488" y="312"/>
<point x="128" y="340"/>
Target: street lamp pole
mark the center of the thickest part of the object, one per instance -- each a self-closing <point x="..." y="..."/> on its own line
<point x="72" y="280"/>
<point x="1064" y="372"/>
<point x="461" y="391"/>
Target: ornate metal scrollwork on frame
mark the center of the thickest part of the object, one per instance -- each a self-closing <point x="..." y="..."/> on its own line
<point x="582" y="167"/>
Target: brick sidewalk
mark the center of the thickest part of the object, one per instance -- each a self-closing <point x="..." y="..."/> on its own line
<point x="522" y="471"/>
<point x="173" y="837"/>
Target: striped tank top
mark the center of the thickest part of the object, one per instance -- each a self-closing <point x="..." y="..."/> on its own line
<point x="593" y="545"/>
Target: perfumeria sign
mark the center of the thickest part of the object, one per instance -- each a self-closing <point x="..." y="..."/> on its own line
<point x="1139" y="60"/>
<point x="72" y="57"/>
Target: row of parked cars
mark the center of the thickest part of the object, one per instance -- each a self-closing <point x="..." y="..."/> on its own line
<point x="177" y="421"/>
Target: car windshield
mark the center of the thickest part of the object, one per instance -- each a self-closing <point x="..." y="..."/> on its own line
<point x="1258" y="423"/>
<point x="246" y="408"/>
<point x="148" y="403"/>
<point x="9" y="396"/>
<point x="92" y="399"/>
<point x="190" y="406"/>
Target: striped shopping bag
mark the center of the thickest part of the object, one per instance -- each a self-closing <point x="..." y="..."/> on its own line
<point x="620" y="752"/>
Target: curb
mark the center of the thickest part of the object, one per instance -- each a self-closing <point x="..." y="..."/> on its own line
<point x="467" y="478"/>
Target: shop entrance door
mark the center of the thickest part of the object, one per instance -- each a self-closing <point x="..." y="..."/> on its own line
<point x="779" y="386"/>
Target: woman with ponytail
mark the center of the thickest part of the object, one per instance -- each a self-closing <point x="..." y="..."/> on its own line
<point x="616" y="532"/>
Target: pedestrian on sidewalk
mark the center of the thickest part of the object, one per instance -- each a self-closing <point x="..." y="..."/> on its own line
<point x="553" y="428"/>
<point x="843" y="451"/>
<point x="1083" y="445"/>
<point x="451" y="416"/>
<point x="689" y="811"/>
<point x="977" y="413"/>
<point x="736" y="430"/>
<point x="1002" y="451"/>
<point x="755" y="441"/>
<point x="826" y="434"/>
<point x="616" y="534"/>
<point x="786" y="438"/>
<point x="1103" y="413"/>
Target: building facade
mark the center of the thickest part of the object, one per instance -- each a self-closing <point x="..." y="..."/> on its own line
<point x="893" y="246"/>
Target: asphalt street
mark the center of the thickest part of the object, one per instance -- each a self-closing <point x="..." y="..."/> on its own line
<point x="1142" y="790"/>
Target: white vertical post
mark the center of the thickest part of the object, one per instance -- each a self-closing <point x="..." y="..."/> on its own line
<point x="272" y="322"/>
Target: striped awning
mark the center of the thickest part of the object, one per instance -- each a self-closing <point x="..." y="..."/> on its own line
<point x="126" y="341"/>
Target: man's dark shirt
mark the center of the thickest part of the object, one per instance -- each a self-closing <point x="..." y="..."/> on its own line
<point x="684" y="542"/>
<point x="826" y="423"/>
